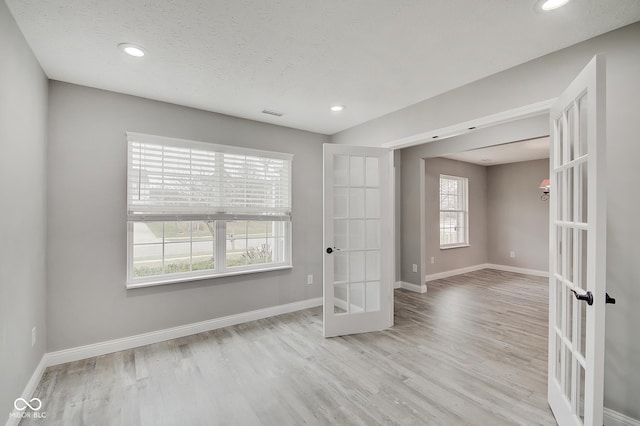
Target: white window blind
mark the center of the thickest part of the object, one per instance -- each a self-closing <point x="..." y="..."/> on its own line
<point x="176" y="179"/>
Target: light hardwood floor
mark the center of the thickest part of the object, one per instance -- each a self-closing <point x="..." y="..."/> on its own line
<point x="473" y="350"/>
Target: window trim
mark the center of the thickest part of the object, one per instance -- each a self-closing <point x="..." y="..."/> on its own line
<point x="466" y="242"/>
<point x="220" y="238"/>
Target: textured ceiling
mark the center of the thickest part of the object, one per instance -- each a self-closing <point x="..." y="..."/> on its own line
<point x="533" y="149"/>
<point x="298" y="57"/>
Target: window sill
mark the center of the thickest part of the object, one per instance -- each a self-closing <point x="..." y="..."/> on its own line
<point x="176" y="280"/>
<point x="454" y="246"/>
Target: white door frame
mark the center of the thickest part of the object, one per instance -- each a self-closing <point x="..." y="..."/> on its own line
<point x="526" y="111"/>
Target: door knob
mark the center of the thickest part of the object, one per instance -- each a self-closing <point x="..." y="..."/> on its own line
<point x="609" y="299"/>
<point x="331" y="250"/>
<point x="588" y="297"/>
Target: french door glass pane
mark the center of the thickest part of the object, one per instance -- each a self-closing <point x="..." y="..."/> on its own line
<point x="568" y="357"/>
<point x="341" y="170"/>
<point x="571" y="139"/>
<point x="356" y="235"/>
<point x="356" y="202"/>
<point x="580" y="392"/>
<point x="372" y="172"/>
<point x="356" y="297"/>
<point x="372" y="234"/>
<point x="569" y="300"/>
<point x="356" y="171"/>
<point x="373" y="203"/>
<point x="341" y="233"/>
<point x="373" y="296"/>
<point x="341" y="267"/>
<point x="356" y="266"/>
<point x="340" y="299"/>
<point x="340" y="202"/>
<point x="582" y="107"/>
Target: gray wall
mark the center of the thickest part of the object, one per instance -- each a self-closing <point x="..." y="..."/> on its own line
<point x="87" y="246"/>
<point x="460" y="257"/>
<point x="411" y="159"/>
<point x="23" y="126"/>
<point x="517" y="219"/>
<point x="545" y="78"/>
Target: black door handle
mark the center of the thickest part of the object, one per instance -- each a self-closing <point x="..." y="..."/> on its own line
<point x="331" y="250"/>
<point x="588" y="297"/>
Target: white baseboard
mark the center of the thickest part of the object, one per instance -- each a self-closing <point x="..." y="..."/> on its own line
<point x="454" y="272"/>
<point x="518" y="270"/>
<point x="413" y="287"/>
<point x="29" y="390"/>
<point x="613" y="418"/>
<point x="398" y="284"/>
<point x="96" y="349"/>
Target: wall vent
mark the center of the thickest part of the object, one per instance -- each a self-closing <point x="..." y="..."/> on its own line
<point x="277" y="114"/>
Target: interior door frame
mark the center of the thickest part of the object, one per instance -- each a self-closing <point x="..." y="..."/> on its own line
<point x="507" y="116"/>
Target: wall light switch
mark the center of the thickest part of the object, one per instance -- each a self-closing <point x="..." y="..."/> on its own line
<point x="433" y="260"/>
<point x="414" y="267"/>
<point x="512" y="254"/>
<point x="309" y="279"/>
<point x="33" y="336"/>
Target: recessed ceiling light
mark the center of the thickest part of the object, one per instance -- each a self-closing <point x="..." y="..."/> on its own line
<point x="546" y="5"/>
<point x="337" y="108"/>
<point x="131" y="49"/>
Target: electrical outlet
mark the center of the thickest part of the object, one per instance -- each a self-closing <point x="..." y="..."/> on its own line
<point x="512" y="254"/>
<point x="309" y="279"/>
<point x="33" y="337"/>
<point x="433" y="260"/>
<point x="414" y="267"/>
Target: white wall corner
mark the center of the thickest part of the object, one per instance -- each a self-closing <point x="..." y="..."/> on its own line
<point x="413" y="287"/>
<point x="102" y="348"/>
<point x="614" y="418"/>
<point x="29" y="390"/>
<point x="454" y="272"/>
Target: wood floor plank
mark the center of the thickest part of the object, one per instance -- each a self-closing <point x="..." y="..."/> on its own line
<point x="473" y="350"/>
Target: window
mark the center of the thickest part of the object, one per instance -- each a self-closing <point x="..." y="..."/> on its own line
<point x="199" y="210"/>
<point x="454" y="211"/>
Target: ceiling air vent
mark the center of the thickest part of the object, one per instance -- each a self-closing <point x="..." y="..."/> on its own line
<point x="277" y="114"/>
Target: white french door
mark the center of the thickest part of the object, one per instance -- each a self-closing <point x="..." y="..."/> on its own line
<point x="577" y="275"/>
<point x="358" y="240"/>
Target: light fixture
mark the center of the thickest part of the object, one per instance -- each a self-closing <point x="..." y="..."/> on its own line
<point x="131" y="49"/>
<point x="545" y="185"/>
<point x="337" y="108"/>
<point x="547" y="5"/>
